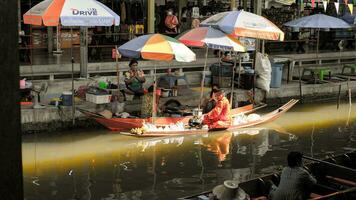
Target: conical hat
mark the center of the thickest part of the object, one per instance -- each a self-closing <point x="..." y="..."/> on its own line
<point x="230" y="191"/>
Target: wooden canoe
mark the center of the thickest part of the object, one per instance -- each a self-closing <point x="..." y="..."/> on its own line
<point x="333" y="182"/>
<point x="126" y="124"/>
<point x="264" y="119"/>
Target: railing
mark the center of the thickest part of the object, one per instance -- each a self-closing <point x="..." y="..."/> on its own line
<point x="63" y="71"/>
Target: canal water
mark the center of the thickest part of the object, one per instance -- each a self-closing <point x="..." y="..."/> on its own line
<point x="103" y="165"/>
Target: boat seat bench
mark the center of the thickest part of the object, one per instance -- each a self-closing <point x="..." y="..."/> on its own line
<point x="352" y="68"/>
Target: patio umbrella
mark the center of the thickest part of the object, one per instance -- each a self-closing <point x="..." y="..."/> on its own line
<point x="245" y="24"/>
<point x="157" y="47"/>
<point x="318" y="21"/>
<point x="211" y="38"/>
<point x="71" y="13"/>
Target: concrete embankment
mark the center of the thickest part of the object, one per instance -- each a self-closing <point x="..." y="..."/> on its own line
<point x="59" y="118"/>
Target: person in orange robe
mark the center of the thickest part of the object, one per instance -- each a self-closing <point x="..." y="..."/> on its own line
<point x="219" y="117"/>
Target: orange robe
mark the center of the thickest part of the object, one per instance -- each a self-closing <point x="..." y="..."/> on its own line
<point x="219" y="117"/>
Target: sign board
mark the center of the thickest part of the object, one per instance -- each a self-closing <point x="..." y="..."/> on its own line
<point x="249" y="43"/>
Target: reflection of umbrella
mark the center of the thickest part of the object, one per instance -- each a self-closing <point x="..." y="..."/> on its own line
<point x="71" y="13"/>
<point x="245" y="24"/>
<point x="318" y="21"/>
<point x="157" y="47"/>
<point x="211" y="38"/>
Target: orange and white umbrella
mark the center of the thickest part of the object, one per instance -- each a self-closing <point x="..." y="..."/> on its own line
<point x="245" y="24"/>
<point x="71" y="13"/>
<point x="211" y="38"/>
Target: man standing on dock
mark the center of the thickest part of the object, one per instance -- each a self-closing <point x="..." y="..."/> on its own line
<point x="219" y="117"/>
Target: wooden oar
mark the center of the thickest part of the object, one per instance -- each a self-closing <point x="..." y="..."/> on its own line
<point x="353" y="189"/>
<point x="250" y="111"/>
<point x="342" y="181"/>
<point x="329" y="163"/>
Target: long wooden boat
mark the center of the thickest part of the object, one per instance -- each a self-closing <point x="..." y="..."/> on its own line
<point x="125" y="124"/>
<point x="336" y="179"/>
<point x="264" y="119"/>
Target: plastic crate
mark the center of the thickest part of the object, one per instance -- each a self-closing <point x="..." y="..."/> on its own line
<point x="98" y="99"/>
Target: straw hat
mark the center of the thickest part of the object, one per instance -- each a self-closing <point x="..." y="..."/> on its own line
<point x="230" y="191"/>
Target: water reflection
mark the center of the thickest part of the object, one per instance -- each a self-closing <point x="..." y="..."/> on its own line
<point x="108" y="166"/>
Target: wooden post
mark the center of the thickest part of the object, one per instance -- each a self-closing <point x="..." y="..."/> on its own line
<point x="151" y="16"/>
<point x="203" y="78"/>
<point x="11" y="183"/>
<point x="117" y="67"/>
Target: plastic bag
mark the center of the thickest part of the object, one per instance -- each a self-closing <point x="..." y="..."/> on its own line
<point x="263" y="70"/>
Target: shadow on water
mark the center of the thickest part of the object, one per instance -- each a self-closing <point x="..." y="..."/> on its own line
<point x="102" y="165"/>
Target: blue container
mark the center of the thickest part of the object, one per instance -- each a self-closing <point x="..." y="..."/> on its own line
<point x="66" y="98"/>
<point x="276" y="78"/>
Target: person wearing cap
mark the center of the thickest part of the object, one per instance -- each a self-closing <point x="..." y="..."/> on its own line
<point x="219" y="116"/>
<point x="296" y="182"/>
<point x="134" y="79"/>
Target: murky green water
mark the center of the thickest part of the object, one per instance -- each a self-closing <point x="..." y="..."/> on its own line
<point x="104" y="165"/>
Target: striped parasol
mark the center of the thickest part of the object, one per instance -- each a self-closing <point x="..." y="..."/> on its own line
<point x="157" y="47"/>
<point x="245" y="24"/>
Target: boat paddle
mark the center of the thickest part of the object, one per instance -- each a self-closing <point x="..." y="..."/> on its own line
<point x="329" y="163"/>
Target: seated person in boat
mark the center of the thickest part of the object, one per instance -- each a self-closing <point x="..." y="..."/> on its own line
<point x="219" y="116"/>
<point x="296" y="182"/>
<point x="209" y="102"/>
<point x="134" y="79"/>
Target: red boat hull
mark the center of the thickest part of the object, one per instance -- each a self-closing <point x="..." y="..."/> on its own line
<point x="124" y="124"/>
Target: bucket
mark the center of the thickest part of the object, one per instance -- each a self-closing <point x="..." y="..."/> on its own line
<point x="103" y="85"/>
<point x="66" y="98"/>
<point x="165" y="92"/>
<point x="276" y="75"/>
<point x="22" y="83"/>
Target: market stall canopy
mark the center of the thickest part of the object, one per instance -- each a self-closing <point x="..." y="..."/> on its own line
<point x="71" y="13"/>
<point x="211" y="38"/>
<point x="157" y="47"/>
<point x="318" y="21"/>
<point x="349" y="18"/>
<point x="278" y="3"/>
<point x="245" y="24"/>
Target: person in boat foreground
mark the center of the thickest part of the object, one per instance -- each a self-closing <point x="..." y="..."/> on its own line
<point x="219" y="116"/>
<point x="296" y="183"/>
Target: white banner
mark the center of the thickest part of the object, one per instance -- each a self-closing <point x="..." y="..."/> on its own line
<point x="351" y="7"/>
<point x="325" y="4"/>
<point x="337" y="5"/>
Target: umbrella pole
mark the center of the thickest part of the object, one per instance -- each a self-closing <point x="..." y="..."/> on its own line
<point x="154" y="107"/>
<point x="72" y="60"/>
<point x="233" y="81"/>
<point x="117" y="68"/>
<point x="203" y="79"/>
<point x="317" y="44"/>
